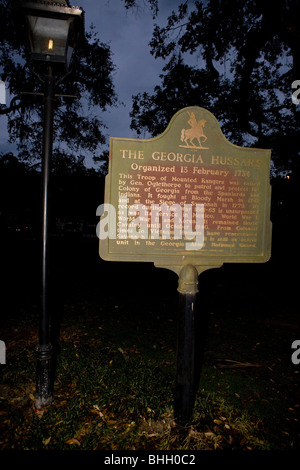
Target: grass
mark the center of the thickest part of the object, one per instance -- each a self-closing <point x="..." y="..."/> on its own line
<point x="116" y="368"/>
<point x="113" y="393"/>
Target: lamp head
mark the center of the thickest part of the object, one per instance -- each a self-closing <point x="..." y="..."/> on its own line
<point x="54" y="29"/>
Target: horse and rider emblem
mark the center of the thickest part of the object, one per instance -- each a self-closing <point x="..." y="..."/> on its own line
<point x="195" y="133"/>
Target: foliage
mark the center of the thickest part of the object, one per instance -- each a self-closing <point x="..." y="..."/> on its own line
<point x="247" y="58"/>
<point x="153" y="5"/>
<point x="75" y="118"/>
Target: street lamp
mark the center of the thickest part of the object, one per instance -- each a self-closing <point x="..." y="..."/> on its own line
<point x="54" y="31"/>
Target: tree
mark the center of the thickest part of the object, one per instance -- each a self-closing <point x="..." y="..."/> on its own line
<point x="153" y="4"/>
<point x="248" y="58"/>
<point x="78" y="130"/>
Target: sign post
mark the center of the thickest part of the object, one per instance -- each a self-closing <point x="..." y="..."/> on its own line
<point x="186" y="379"/>
<point x="187" y="200"/>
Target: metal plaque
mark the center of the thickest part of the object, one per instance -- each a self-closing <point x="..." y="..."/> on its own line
<point x="188" y="196"/>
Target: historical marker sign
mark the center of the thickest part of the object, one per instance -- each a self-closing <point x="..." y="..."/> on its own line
<point x="188" y="196"/>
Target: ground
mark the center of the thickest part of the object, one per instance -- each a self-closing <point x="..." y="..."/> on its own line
<point x="117" y="354"/>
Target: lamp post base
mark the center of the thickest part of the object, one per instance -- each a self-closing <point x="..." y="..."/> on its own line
<point x="44" y="376"/>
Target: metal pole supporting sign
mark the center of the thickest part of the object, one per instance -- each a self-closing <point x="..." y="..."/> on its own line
<point x="186" y="386"/>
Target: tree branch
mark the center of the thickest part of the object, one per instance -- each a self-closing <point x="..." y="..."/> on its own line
<point x="12" y="107"/>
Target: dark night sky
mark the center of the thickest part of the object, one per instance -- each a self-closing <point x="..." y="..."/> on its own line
<point x="128" y="33"/>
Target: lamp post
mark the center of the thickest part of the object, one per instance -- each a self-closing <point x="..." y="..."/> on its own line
<point x="54" y="29"/>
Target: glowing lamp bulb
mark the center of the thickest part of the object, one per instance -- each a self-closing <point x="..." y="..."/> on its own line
<point x="50" y="45"/>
